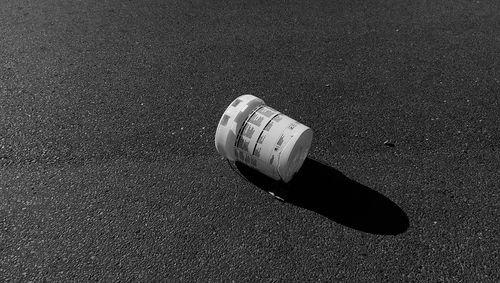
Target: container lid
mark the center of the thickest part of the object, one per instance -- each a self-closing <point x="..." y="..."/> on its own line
<point x="231" y="122"/>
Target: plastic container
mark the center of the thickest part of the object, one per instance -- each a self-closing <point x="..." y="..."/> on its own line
<point x="261" y="137"/>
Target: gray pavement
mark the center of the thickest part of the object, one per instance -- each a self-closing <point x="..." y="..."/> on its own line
<point x="108" y="170"/>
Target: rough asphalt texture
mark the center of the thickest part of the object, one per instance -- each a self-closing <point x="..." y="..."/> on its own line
<point x="108" y="169"/>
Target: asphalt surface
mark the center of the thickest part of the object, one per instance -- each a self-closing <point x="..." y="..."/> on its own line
<point x="108" y="169"/>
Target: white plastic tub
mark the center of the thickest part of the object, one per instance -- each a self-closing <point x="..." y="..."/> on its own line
<point x="261" y="137"/>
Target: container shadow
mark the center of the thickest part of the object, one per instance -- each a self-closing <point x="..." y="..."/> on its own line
<point x="324" y="190"/>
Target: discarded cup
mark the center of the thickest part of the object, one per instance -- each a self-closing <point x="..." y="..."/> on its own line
<point x="261" y="137"/>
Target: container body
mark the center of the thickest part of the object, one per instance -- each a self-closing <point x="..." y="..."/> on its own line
<point x="263" y="138"/>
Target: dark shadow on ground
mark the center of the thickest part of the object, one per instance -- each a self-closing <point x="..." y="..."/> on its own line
<point x="320" y="188"/>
